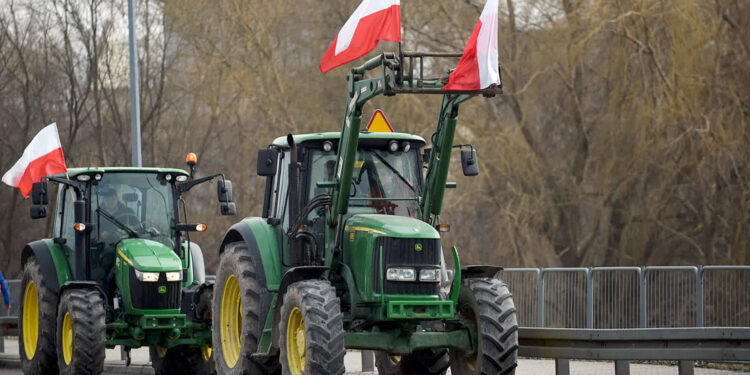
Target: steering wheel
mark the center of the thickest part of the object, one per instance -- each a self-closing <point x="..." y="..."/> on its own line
<point x="130" y="220"/>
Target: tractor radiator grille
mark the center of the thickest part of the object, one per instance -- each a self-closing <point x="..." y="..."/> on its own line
<point x="400" y="252"/>
<point x="146" y="296"/>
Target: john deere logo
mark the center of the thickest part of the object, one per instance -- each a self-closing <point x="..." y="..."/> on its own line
<point x="418" y="247"/>
<point x="162" y="289"/>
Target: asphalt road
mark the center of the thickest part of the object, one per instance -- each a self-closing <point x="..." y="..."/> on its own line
<point x="9" y="365"/>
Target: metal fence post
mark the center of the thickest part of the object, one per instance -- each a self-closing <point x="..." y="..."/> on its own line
<point x="699" y="295"/>
<point x="622" y="367"/>
<point x="540" y="299"/>
<point x="562" y="366"/>
<point x="589" y="299"/>
<point x="685" y="368"/>
<point x="642" y="296"/>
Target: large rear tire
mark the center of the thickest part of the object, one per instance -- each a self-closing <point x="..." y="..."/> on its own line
<point x="37" y="323"/>
<point x="426" y="361"/>
<point x="311" y="330"/>
<point x="488" y="303"/>
<point x="238" y="317"/>
<point x="182" y="359"/>
<point x="81" y="333"/>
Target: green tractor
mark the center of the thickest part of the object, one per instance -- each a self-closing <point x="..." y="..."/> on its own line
<point x="119" y="269"/>
<point x="347" y="252"/>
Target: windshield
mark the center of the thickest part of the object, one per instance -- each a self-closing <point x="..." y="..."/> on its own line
<point x="132" y="205"/>
<point x="383" y="181"/>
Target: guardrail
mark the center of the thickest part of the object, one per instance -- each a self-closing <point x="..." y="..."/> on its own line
<point x="631" y="297"/>
<point x="632" y="313"/>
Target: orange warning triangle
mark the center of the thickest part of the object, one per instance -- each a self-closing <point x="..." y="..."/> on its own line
<point x="379" y="124"/>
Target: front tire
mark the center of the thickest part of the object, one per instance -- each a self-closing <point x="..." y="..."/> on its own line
<point x="487" y="302"/>
<point x="311" y="330"/>
<point x="37" y="323"/>
<point x="238" y="315"/>
<point x="81" y="334"/>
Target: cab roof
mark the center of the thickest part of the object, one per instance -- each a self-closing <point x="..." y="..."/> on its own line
<point x="301" y="138"/>
<point x="72" y="172"/>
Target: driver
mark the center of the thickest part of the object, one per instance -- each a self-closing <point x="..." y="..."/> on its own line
<point x="111" y="203"/>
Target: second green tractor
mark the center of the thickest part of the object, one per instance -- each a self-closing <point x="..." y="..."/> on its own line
<point x="347" y="252"/>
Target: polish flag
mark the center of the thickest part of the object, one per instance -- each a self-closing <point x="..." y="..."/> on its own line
<point x="373" y="21"/>
<point x="478" y="66"/>
<point x="42" y="157"/>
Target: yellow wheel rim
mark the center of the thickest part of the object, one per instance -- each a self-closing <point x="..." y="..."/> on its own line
<point x="206" y="352"/>
<point x="395" y="359"/>
<point x="231" y="321"/>
<point x="30" y="319"/>
<point x="161" y="352"/>
<point x="67" y="338"/>
<point x="296" y="344"/>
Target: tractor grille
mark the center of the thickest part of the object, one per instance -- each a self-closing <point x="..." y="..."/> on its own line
<point x="146" y="296"/>
<point x="399" y="252"/>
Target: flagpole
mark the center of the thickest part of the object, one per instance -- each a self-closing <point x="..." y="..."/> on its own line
<point x="71" y="191"/>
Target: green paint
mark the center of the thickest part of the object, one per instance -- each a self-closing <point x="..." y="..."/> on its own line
<point x="73" y="172"/>
<point x="264" y="344"/>
<point x="266" y="238"/>
<point x="334" y="136"/>
<point x="62" y="268"/>
<point x="399" y="342"/>
<point x="147" y="255"/>
<point x="456" y="290"/>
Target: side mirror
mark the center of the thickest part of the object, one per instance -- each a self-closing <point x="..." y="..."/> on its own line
<point x="267" y="158"/>
<point x="469" y="162"/>
<point x="38" y="212"/>
<point x="39" y="193"/>
<point x="228" y="208"/>
<point x="224" y="190"/>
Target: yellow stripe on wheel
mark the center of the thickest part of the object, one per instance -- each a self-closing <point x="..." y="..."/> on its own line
<point x="296" y="342"/>
<point x="231" y="321"/>
<point x="67" y="338"/>
<point x="30" y="319"/>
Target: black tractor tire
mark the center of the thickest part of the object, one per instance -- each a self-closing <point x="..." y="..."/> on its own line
<point x="182" y="359"/>
<point x="88" y="337"/>
<point x="488" y="303"/>
<point x="43" y="357"/>
<point x="323" y="328"/>
<point x="434" y="361"/>
<point x="239" y="264"/>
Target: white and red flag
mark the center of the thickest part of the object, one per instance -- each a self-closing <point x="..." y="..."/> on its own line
<point x="478" y="67"/>
<point x="42" y="157"/>
<point x="373" y="21"/>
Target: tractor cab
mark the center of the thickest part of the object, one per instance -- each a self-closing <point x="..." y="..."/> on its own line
<point x="119" y="243"/>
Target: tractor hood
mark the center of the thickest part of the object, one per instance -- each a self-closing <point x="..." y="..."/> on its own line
<point x="147" y="255"/>
<point x="390" y="226"/>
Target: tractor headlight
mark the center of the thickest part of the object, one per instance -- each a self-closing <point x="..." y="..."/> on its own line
<point x="147" y="277"/>
<point x="429" y="275"/>
<point x="401" y="274"/>
<point x="174" y="276"/>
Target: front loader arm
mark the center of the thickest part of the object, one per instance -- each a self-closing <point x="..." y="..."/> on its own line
<point x="394" y="80"/>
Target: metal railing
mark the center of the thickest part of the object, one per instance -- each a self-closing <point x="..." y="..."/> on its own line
<point x="631" y="297"/>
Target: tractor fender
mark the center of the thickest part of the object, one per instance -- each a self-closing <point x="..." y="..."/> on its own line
<point x="260" y="238"/>
<point x="197" y="262"/>
<point x="482" y="270"/>
<point x="79" y="284"/>
<point x="52" y="261"/>
<point x="290" y="277"/>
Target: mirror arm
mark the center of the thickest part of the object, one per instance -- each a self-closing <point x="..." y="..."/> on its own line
<point x="185" y="187"/>
<point x="79" y="187"/>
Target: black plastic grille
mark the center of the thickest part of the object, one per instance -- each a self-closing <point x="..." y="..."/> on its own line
<point x="401" y="252"/>
<point x="146" y="296"/>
